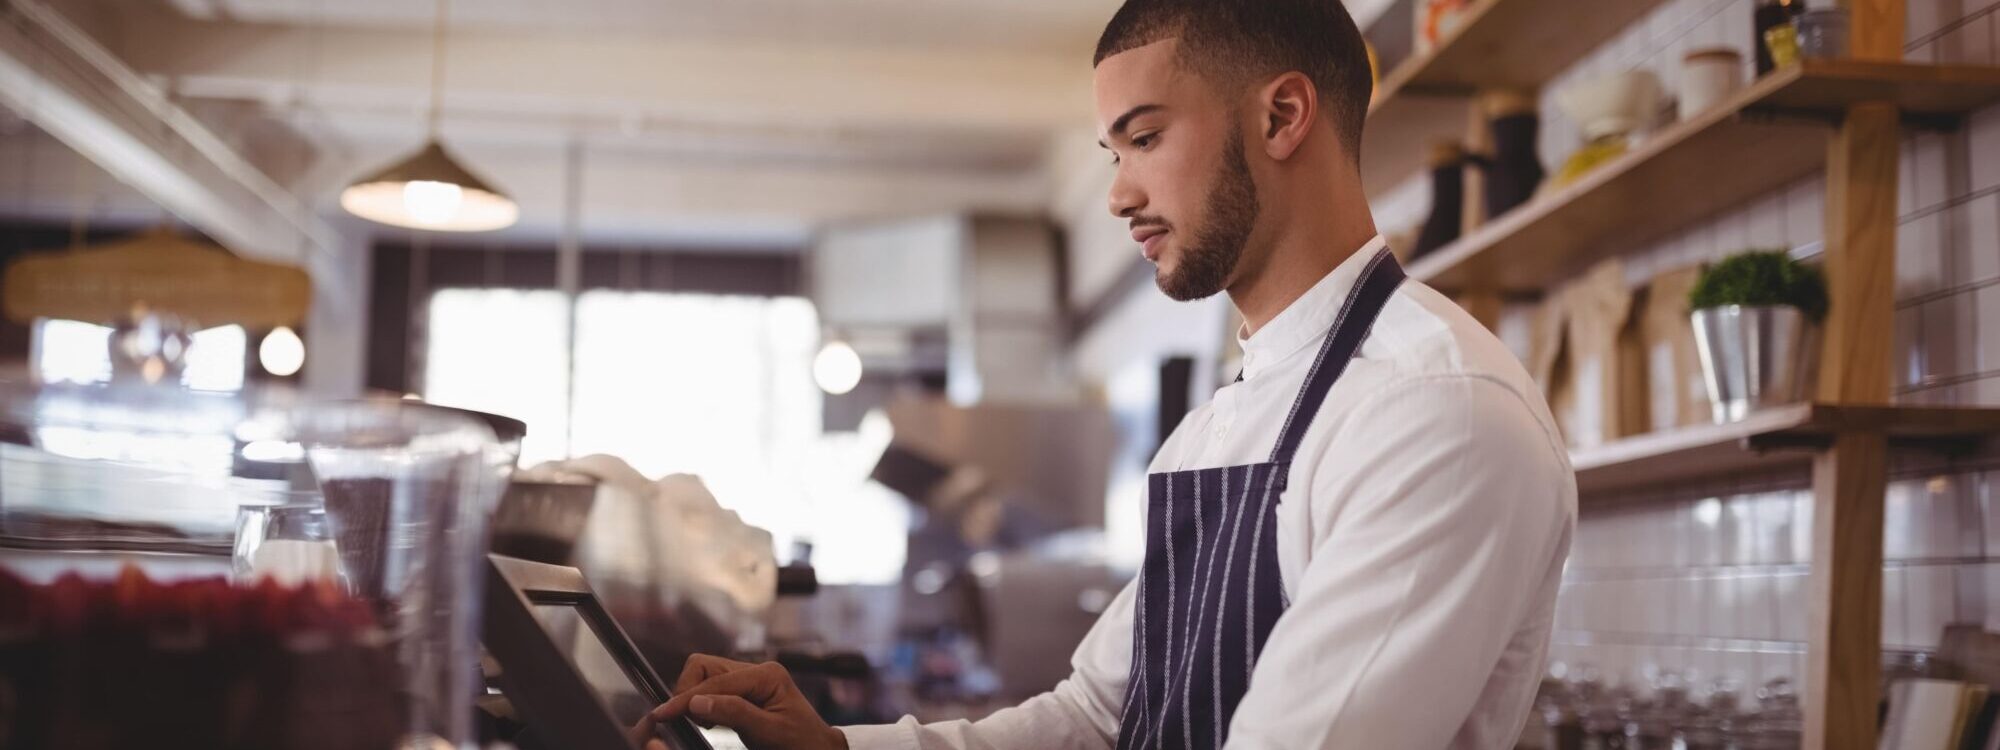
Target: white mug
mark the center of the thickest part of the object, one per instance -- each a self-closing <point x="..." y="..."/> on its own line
<point x="1709" y="76"/>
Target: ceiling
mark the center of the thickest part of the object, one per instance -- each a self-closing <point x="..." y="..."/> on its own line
<point x="1048" y="26"/>
<point x="746" y="122"/>
<point x="750" y="122"/>
<point x="1057" y="26"/>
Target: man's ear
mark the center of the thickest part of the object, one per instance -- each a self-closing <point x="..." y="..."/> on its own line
<point x="1288" y="108"/>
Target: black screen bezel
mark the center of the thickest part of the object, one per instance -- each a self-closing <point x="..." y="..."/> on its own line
<point x="547" y="689"/>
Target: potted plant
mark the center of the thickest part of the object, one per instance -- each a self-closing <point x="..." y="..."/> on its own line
<point x="1756" y="317"/>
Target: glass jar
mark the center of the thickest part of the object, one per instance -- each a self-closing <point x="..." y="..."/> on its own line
<point x="121" y="622"/>
<point x="1822" y="34"/>
<point x="1778" y="724"/>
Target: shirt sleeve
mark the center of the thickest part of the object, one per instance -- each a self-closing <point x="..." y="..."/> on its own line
<point x="1081" y="713"/>
<point x="1439" y="509"/>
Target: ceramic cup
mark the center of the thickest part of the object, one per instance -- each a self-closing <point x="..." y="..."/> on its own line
<point x="1709" y="76"/>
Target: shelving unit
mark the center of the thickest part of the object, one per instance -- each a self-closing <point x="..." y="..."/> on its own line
<point x="1498" y="43"/>
<point x="1773" y="132"/>
<point x="1845" y="117"/>
<point x="1773" y="439"/>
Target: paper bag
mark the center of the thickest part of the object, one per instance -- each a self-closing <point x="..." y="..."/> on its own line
<point x="1677" y="393"/>
<point x="1545" y="350"/>
<point x="1605" y="397"/>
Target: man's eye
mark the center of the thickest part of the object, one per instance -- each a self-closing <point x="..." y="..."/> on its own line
<point x="1145" y="141"/>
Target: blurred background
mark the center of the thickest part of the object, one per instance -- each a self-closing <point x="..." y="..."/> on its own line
<point x="757" y="242"/>
<point x="848" y="263"/>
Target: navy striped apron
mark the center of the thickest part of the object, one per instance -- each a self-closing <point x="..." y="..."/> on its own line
<point x="1210" y="591"/>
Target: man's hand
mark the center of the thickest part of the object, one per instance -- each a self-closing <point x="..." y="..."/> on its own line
<point x="642" y="736"/>
<point x="759" y="701"/>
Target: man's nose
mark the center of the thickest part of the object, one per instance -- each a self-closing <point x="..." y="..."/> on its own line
<point x="1126" y="198"/>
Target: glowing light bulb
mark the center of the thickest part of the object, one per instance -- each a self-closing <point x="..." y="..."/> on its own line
<point x="283" y="353"/>
<point x="837" y="369"/>
<point x="432" y="203"/>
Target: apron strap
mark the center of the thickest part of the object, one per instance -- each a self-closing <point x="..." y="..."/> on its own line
<point x="1357" y="317"/>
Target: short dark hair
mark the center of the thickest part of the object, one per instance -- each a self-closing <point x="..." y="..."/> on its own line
<point x="1238" y="39"/>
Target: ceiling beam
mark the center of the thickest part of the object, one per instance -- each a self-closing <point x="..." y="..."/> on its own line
<point x="57" y="77"/>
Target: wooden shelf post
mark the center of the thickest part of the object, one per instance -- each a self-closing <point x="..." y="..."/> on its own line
<point x="1851" y="478"/>
<point x="1861" y="257"/>
<point x="1844" y="648"/>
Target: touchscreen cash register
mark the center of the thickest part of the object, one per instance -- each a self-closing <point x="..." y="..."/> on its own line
<point x="567" y="667"/>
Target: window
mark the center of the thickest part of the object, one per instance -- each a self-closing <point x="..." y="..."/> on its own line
<point x="69" y="351"/>
<point x="716" y="386"/>
<point x="719" y="386"/>
<point x="504" y="351"/>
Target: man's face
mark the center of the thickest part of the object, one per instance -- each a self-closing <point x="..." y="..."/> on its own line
<point x="1183" y="182"/>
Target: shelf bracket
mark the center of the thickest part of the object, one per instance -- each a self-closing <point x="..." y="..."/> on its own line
<point x="1833" y="118"/>
<point x="1948" y="446"/>
<point x="1788" y="441"/>
<point x="1951" y="446"/>
<point x="1776" y="115"/>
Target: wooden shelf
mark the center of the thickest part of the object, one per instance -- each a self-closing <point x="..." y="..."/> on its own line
<point x="1769" y="439"/>
<point x="1768" y="135"/>
<point x="1498" y="44"/>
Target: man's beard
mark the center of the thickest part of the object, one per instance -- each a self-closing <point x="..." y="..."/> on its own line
<point x="1211" y="257"/>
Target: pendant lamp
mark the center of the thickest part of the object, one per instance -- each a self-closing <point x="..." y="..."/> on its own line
<point x="430" y="189"/>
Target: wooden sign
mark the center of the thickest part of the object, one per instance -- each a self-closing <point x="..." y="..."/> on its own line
<point x="161" y="271"/>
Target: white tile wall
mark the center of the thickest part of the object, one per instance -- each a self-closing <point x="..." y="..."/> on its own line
<point x="1927" y="17"/>
<point x="1982" y="131"/>
<point x="1905" y="517"/>
<point x="1986" y="498"/>
<point x="1628" y="604"/>
<point x="1707" y="566"/>
<point x="1908" y="346"/>
<point x="1906" y="186"/>
<point x="1986" y="310"/>
<point x="1970" y="582"/>
<point x="1660" y="584"/>
<point x="1788" y="604"/>
<point x="1805" y="211"/>
<point x="1975" y="239"/>
<point x="1970" y="43"/>
<point x="1920" y="255"/>
<point x="1929" y="605"/>
<point x="1929" y="168"/>
<point x="1951" y="328"/>
<point x="1991" y="573"/>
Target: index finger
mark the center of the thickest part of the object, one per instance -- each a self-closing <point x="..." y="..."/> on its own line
<point x="701" y="667"/>
<point x="757" y="684"/>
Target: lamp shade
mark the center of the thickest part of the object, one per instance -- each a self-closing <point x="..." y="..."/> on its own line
<point x="190" y="278"/>
<point x="430" y="190"/>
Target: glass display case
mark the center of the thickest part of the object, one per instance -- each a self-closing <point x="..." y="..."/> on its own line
<point x="123" y="624"/>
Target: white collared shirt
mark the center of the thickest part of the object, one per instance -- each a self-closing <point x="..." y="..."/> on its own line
<point x="1422" y="544"/>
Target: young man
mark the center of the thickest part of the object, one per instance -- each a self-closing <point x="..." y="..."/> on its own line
<point x="1358" y="543"/>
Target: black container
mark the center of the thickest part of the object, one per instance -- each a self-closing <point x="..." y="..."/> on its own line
<point x="1514" y="171"/>
<point x="1447" y="220"/>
